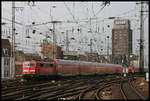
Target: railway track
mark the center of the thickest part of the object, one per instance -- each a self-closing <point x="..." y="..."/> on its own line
<point x="71" y="89"/>
<point x="28" y="91"/>
<point x="21" y="86"/>
<point x="91" y="91"/>
<point x="74" y="88"/>
<point x="97" y="95"/>
<point x="10" y="82"/>
<point x="129" y="92"/>
<point x="95" y="92"/>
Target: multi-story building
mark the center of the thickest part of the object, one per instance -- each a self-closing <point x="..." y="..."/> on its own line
<point x="92" y="57"/>
<point x="47" y="50"/>
<point x="19" y="58"/>
<point x="6" y="60"/>
<point x="121" y="39"/>
<point x="70" y="55"/>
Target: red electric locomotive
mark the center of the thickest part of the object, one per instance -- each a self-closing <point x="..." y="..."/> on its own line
<point x="38" y="68"/>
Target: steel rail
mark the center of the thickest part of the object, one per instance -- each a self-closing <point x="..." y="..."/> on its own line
<point x="62" y="90"/>
<point x="122" y="91"/>
<point x="141" y="96"/>
<point x="125" y="97"/>
<point x="105" y="84"/>
<point x="95" y="86"/>
<point x="56" y="89"/>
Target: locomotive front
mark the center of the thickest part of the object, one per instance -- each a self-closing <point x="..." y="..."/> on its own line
<point x="29" y="68"/>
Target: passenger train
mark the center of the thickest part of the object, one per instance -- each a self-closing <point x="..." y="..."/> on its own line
<point x="60" y="67"/>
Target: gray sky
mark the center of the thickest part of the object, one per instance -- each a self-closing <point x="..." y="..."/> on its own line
<point x="44" y="12"/>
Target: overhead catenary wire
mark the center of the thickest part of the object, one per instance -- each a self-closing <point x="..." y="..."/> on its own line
<point x="15" y="21"/>
<point x="82" y="25"/>
<point x="93" y="11"/>
<point x="7" y="12"/>
<point x="70" y="12"/>
<point x="11" y="21"/>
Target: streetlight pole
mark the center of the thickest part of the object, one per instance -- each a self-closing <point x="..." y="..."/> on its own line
<point x="13" y="40"/>
<point x="67" y="41"/>
<point x="54" y="39"/>
<point x="101" y="55"/>
<point x="54" y="34"/>
<point x="91" y="51"/>
<point x="108" y="47"/>
<point x="141" y="67"/>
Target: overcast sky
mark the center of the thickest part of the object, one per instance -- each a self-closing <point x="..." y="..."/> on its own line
<point x="44" y="12"/>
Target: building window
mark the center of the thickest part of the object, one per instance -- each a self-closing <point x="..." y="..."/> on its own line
<point x="120" y="37"/>
<point x="124" y="45"/>
<point x="6" y="73"/>
<point x="5" y="62"/>
<point x="120" y="44"/>
<point x="5" y="51"/>
<point x="8" y="62"/>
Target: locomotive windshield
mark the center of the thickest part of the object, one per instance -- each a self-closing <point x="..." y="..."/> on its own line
<point x="29" y="64"/>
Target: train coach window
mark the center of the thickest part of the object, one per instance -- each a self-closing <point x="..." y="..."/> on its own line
<point x="29" y="64"/>
<point x="47" y="65"/>
<point x="41" y="65"/>
<point x="51" y="65"/>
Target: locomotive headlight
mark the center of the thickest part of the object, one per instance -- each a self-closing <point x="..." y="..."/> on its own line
<point x="32" y="70"/>
<point x="26" y="70"/>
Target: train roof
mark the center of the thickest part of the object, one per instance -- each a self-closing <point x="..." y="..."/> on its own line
<point x="29" y="61"/>
<point x="66" y="61"/>
<point x="85" y="63"/>
<point x="38" y="61"/>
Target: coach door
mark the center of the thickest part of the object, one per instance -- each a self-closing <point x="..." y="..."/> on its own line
<point x="38" y="68"/>
<point x="59" y="67"/>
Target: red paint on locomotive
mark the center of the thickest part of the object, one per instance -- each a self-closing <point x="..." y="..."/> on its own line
<point x="131" y="68"/>
<point x="29" y="67"/>
<point x="37" y="68"/>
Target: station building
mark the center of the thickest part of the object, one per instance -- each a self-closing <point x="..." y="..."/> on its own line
<point x="47" y="50"/>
